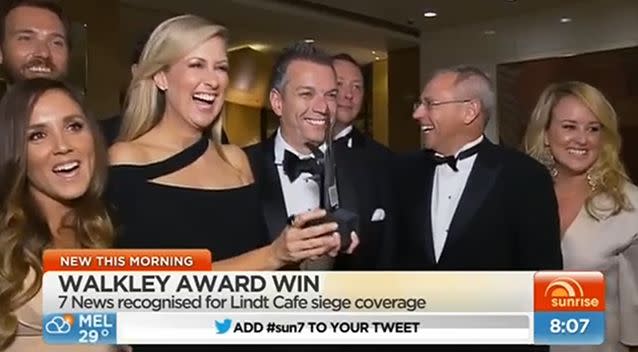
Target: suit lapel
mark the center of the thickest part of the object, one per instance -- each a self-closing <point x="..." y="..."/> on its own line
<point x="479" y="184"/>
<point x="426" y="179"/>
<point x="356" y="139"/>
<point x="417" y="175"/>
<point x="272" y="197"/>
<point x="348" y="178"/>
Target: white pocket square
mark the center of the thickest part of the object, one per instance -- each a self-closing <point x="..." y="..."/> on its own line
<point x="378" y="215"/>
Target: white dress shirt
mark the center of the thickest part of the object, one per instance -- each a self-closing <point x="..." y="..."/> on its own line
<point x="303" y="194"/>
<point x="344" y="133"/>
<point x="447" y="189"/>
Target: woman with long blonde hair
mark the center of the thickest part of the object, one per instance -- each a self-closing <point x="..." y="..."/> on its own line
<point x="574" y="132"/>
<point x="52" y="173"/>
<point x="173" y="185"/>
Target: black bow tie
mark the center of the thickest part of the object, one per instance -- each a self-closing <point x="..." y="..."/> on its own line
<point x="293" y="166"/>
<point x="451" y="160"/>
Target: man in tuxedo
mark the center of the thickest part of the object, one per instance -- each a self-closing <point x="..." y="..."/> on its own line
<point x="468" y="204"/>
<point x="304" y="96"/>
<point x="369" y="162"/>
<point x="34" y="40"/>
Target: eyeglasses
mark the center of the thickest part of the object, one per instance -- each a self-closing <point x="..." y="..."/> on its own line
<point x="429" y="104"/>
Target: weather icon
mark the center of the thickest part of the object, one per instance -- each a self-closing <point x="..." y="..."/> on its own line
<point x="59" y="325"/>
<point x="223" y="326"/>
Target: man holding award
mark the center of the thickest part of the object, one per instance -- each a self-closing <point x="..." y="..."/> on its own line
<point x="296" y="169"/>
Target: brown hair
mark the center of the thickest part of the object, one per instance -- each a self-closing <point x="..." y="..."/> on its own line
<point x="24" y="233"/>
<point x="51" y="6"/>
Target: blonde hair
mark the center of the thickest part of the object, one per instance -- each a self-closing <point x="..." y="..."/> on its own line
<point x="609" y="170"/>
<point x="167" y="44"/>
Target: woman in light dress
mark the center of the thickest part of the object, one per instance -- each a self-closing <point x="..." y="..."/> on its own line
<point x="574" y="132"/>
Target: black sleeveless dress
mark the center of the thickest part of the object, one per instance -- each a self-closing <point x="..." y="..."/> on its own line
<point x="228" y="222"/>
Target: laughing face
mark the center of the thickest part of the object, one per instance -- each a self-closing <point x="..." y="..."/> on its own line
<point x="60" y="149"/>
<point x="573" y="136"/>
<point x="34" y="44"/>
<point x="196" y="84"/>
<point x="441" y="114"/>
<point x="308" y="102"/>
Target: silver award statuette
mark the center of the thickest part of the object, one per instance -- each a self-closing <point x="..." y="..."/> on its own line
<point x="326" y="176"/>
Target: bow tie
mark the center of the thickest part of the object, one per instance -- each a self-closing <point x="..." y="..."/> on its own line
<point x="293" y="166"/>
<point x="452" y="160"/>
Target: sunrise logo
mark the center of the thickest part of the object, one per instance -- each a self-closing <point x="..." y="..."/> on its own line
<point x="569" y="291"/>
<point x="564" y="287"/>
<point x="566" y="292"/>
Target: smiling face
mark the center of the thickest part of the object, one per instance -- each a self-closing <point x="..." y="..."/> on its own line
<point x="350" y="98"/>
<point x="307" y="103"/>
<point x="442" y="114"/>
<point x="34" y="44"/>
<point x="195" y="86"/>
<point x="573" y="136"/>
<point x="60" y="149"/>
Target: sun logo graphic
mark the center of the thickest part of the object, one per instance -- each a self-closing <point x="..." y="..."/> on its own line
<point x="564" y="287"/>
<point x="569" y="291"/>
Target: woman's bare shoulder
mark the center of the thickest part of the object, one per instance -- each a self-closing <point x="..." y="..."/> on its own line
<point x="237" y="157"/>
<point x="129" y="153"/>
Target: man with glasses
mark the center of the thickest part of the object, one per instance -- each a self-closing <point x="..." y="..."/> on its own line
<point x="468" y="204"/>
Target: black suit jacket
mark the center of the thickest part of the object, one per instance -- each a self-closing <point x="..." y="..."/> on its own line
<point x="363" y="185"/>
<point x="507" y="219"/>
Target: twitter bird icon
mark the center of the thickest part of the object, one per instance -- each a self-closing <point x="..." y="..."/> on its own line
<point x="223" y="326"/>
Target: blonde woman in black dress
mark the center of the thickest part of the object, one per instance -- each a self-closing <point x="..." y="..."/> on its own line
<point x="172" y="184"/>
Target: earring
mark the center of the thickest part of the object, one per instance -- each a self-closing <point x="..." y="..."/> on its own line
<point x="548" y="160"/>
<point x="592" y="180"/>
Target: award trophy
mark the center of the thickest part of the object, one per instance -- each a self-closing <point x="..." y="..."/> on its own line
<point x="326" y="177"/>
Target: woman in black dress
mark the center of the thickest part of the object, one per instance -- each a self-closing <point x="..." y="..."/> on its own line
<point x="172" y="184"/>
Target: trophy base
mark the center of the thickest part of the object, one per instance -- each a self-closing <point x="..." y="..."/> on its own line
<point x="347" y="221"/>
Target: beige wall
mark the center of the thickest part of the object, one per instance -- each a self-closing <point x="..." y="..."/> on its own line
<point x="597" y="25"/>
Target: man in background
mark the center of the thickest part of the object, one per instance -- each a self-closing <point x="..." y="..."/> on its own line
<point x="34" y="40"/>
<point x="369" y="161"/>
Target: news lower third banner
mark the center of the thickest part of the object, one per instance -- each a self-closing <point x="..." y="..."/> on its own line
<point x="176" y="297"/>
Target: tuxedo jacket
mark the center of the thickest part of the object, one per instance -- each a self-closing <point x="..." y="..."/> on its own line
<point x="507" y="217"/>
<point x="364" y="187"/>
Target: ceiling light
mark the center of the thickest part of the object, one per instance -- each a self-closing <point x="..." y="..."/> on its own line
<point x="258" y="47"/>
<point x="429" y="14"/>
<point x="565" y="20"/>
<point x="309" y="41"/>
<point x="374" y="52"/>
